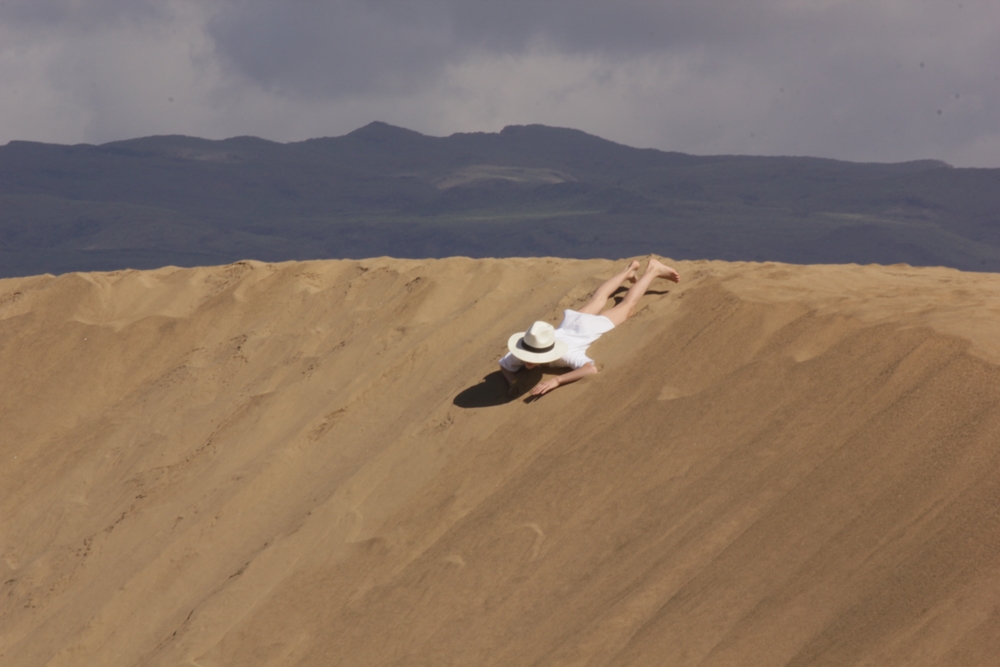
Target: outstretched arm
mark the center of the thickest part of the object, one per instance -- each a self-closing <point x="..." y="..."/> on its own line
<point x="546" y="386"/>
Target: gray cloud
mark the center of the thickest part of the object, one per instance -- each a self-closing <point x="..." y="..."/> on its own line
<point x="335" y="49"/>
<point x="352" y="46"/>
<point x="882" y="80"/>
<point x="81" y="15"/>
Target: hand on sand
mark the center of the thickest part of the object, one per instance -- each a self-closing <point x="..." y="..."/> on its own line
<point x="545" y="386"/>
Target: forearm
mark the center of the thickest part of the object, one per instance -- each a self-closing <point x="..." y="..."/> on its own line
<point x="578" y="374"/>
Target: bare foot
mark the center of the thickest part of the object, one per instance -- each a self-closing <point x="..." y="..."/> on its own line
<point x="633" y="272"/>
<point x="662" y="270"/>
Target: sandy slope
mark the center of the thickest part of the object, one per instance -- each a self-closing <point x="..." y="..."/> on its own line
<point x="302" y="464"/>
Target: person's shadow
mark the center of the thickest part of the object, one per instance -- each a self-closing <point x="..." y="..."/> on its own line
<point x="493" y="390"/>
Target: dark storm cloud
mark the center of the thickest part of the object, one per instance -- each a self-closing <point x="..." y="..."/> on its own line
<point x="879" y="80"/>
<point x="833" y="77"/>
<point x="332" y="49"/>
<point x="353" y="46"/>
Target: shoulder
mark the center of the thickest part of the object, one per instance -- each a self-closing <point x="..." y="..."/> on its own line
<point x="510" y="362"/>
<point x="576" y="359"/>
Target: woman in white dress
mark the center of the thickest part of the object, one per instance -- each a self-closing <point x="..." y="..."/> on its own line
<point x="567" y="345"/>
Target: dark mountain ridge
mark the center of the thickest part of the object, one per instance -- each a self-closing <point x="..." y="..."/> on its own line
<point x="525" y="191"/>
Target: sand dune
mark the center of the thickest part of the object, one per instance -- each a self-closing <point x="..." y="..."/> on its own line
<point x="314" y="464"/>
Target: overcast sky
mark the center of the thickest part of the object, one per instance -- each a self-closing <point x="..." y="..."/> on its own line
<point x="863" y="80"/>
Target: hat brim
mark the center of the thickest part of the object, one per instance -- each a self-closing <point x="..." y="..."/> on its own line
<point x="516" y="346"/>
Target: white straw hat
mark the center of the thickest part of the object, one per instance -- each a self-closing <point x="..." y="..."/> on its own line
<point x="537" y="345"/>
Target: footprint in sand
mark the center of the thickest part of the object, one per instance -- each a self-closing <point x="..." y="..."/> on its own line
<point x="537" y="546"/>
<point x="669" y="393"/>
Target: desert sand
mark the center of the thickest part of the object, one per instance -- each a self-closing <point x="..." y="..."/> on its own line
<point x="315" y="464"/>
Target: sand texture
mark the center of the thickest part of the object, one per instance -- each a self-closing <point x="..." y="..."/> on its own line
<point x="315" y="464"/>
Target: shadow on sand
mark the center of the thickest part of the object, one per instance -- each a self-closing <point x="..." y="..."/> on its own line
<point x="619" y="293"/>
<point x="493" y="390"/>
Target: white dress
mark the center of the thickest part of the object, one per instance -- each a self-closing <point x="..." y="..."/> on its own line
<point x="578" y="330"/>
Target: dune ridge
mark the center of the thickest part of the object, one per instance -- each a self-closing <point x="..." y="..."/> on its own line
<point x="313" y="464"/>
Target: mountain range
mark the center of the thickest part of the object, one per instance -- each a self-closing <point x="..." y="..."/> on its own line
<point x="524" y="191"/>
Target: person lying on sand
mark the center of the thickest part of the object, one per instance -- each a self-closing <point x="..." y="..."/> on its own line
<point x="566" y="346"/>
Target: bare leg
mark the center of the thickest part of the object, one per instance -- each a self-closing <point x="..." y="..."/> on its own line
<point x="655" y="269"/>
<point x="600" y="298"/>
